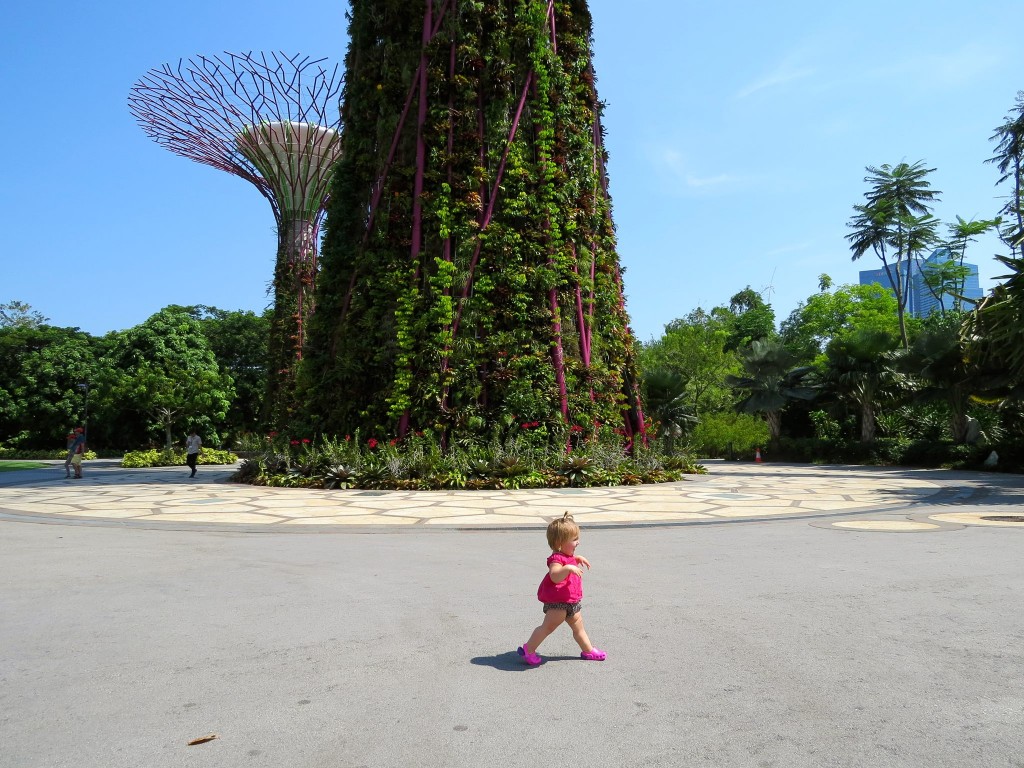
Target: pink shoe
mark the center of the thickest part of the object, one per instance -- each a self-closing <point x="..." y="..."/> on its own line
<point x="530" y="658"/>
<point x="594" y="654"/>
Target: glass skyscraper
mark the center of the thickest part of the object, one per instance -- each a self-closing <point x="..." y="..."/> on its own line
<point x="921" y="302"/>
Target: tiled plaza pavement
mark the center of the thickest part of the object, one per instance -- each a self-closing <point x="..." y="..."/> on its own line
<point x="850" y="498"/>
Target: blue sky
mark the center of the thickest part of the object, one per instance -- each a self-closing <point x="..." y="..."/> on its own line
<point x="738" y="135"/>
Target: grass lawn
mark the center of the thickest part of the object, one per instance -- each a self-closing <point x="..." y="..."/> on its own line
<point x="10" y="466"/>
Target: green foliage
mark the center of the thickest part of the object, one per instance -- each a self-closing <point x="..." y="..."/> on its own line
<point x="1009" y="159"/>
<point x="728" y="435"/>
<point x="902" y="452"/>
<point x="18" y="314"/>
<point x="418" y="463"/>
<point x="238" y="341"/>
<point x="835" y="314"/>
<point x="694" y="347"/>
<point x="174" y="458"/>
<point x="157" y="375"/>
<point x="895" y="223"/>
<point x="469" y="301"/>
<point x="41" y="368"/>
<point x="770" y="382"/>
<point x="860" y="371"/>
<point x="664" y="395"/>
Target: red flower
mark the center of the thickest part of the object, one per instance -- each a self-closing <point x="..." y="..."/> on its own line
<point x="575" y="428"/>
<point x="305" y="441"/>
<point x="393" y="441"/>
<point x="271" y="434"/>
<point x="295" y="442"/>
<point x="348" y="438"/>
<point x="372" y="442"/>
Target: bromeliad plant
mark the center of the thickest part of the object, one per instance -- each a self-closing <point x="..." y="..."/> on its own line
<point x="418" y="464"/>
<point x="469" y="277"/>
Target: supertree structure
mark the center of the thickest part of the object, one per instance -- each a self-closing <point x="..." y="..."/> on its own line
<point x="470" y="279"/>
<point x="272" y="120"/>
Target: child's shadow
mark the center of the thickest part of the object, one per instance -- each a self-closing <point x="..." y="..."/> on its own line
<point x="513" y="662"/>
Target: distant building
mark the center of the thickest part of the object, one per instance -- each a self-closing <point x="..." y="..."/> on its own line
<point x="921" y="302"/>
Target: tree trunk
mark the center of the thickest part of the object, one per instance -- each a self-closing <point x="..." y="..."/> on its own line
<point x="774" y="419"/>
<point x="868" y="426"/>
<point x="958" y="424"/>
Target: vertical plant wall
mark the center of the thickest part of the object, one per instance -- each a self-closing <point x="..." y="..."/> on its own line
<point x="470" y="282"/>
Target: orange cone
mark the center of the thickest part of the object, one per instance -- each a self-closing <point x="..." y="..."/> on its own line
<point x="757" y="455"/>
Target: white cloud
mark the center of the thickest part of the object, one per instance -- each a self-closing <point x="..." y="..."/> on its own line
<point x="674" y="161"/>
<point x="785" y="73"/>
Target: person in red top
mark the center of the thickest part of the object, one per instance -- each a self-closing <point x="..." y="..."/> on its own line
<point x="561" y="591"/>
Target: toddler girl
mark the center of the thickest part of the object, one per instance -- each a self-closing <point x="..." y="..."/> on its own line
<point x="561" y="591"/>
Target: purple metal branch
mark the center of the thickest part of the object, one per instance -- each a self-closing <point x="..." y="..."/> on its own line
<point x="499" y="176"/>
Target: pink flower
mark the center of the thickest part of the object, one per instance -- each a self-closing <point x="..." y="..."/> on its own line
<point x="348" y="438"/>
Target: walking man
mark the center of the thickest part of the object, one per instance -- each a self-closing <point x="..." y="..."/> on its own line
<point x="192" y="446"/>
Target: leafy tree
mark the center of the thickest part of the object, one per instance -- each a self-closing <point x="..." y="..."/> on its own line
<point x="859" y="370"/>
<point x="18" y="314"/>
<point x="896" y="224"/>
<point x="1009" y="159"/>
<point x="749" y="319"/>
<point x="41" y="368"/>
<point x="159" y="374"/>
<point x="665" y="398"/>
<point x="945" y="279"/>
<point x="829" y="315"/>
<point x="770" y="382"/>
<point x="239" y="342"/>
<point x="695" y="348"/>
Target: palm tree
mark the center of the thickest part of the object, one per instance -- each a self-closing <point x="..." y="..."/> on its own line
<point x="859" y="369"/>
<point x="1009" y="159"/>
<point x="896" y="225"/>
<point x="995" y="330"/>
<point x="939" y="363"/>
<point x="664" y="393"/>
<point x="771" y="382"/>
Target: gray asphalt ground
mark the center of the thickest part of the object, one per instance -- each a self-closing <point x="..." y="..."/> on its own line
<point x="740" y="644"/>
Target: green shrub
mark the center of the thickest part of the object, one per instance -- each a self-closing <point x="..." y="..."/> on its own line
<point x="728" y="435"/>
<point x="418" y="463"/>
<point x="174" y="458"/>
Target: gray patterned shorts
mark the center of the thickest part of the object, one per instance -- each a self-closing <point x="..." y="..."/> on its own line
<point x="571" y="609"/>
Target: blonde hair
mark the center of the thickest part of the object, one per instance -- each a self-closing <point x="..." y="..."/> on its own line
<point x="562" y="530"/>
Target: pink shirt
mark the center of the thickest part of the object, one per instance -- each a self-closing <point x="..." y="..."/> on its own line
<point x="569" y="590"/>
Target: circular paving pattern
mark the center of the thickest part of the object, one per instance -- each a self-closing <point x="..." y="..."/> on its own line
<point x="888" y="526"/>
<point x="980" y="518"/>
<point x="730" y="492"/>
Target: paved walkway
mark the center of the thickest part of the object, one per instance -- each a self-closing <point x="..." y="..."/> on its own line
<point x="854" y="498"/>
